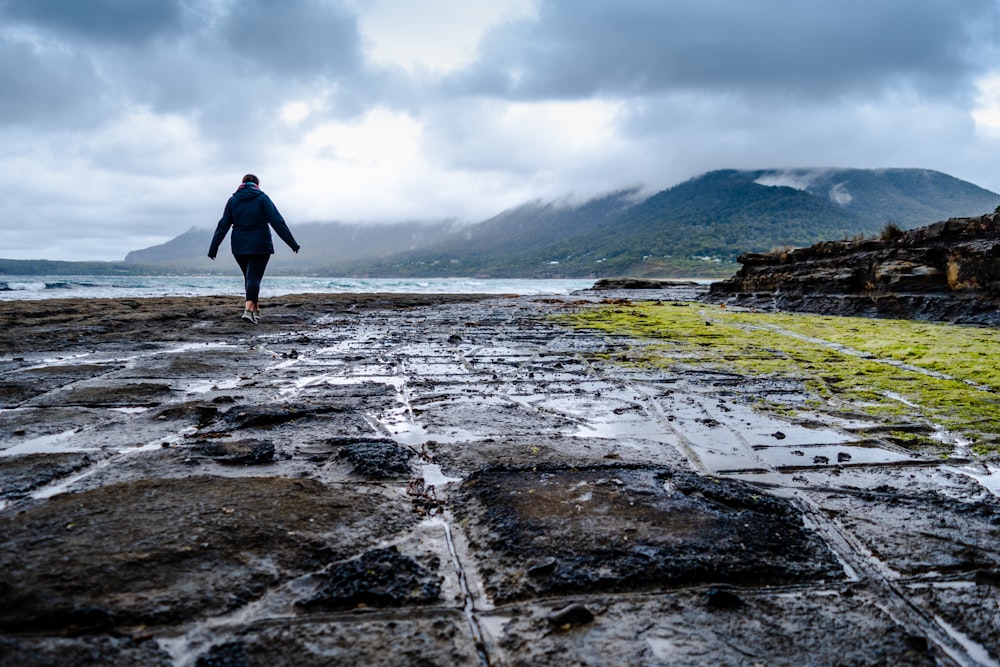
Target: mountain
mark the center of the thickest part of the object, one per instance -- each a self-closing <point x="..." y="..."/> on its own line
<point x="323" y="244"/>
<point x="696" y="228"/>
<point x="532" y="235"/>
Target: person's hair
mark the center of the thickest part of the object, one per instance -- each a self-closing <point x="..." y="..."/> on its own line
<point x="250" y="178"/>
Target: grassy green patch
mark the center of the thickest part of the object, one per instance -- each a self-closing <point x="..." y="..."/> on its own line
<point x="898" y="371"/>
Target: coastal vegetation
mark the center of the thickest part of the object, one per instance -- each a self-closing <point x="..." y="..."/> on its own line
<point x="927" y="386"/>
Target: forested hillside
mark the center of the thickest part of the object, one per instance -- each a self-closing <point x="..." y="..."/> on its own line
<point x="700" y="227"/>
<point x="695" y="229"/>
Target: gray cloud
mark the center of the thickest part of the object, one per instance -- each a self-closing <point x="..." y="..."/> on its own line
<point x="587" y="47"/>
<point x="115" y="21"/>
<point x="40" y="88"/>
<point x="302" y="39"/>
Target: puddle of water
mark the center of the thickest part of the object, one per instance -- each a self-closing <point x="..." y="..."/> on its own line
<point x="46" y="444"/>
<point x="791" y="435"/>
<point x="403" y="429"/>
<point x="976" y="651"/>
<point x="988" y="476"/>
<point x="45" y="362"/>
<point x="827" y="455"/>
<point x="177" y="349"/>
<point x="212" y="385"/>
<point x="433" y="476"/>
<point x="662" y="648"/>
<point x="494" y="624"/>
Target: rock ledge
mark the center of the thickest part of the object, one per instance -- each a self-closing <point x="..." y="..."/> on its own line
<point x="947" y="271"/>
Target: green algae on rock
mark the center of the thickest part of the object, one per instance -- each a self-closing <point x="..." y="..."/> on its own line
<point x="911" y="376"/>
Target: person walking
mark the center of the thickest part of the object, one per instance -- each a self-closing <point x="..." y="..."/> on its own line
<point x="250" y="213"/>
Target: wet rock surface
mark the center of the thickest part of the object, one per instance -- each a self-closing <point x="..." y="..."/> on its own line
<point x="399" y="479"/>
<point x="628" y="528"/>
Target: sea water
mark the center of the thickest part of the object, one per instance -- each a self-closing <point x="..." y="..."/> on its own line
<point x="13" y="288"/>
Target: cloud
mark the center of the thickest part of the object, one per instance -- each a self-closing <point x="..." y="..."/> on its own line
<point x="43" y="84"/>
<point x="592" y="47"/>
<point x="300" y="39"/>
<point x="435" y="35"/>
<point x="122" y="122"/>
<point x="99" y="20"/>
<point x="986" y="113"/>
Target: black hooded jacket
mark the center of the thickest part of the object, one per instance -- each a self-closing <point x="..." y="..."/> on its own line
<point x="250" y="213"/>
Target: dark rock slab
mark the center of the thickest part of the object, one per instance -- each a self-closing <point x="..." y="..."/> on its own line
<point x="253" y="416"/>
<point x="833" y="626"/>
<point x="377" y="578"/>
<point x="109" y="395"/>
<point x="13" y="394"/>
<point x="19" y="386"/>
<point x="404" y="639"/>
<point x="958" y="535"/>
<point x="82" y="652"/>
<point x="625" y="528"/>
<point x="240" y="452"/>
<point x="201" y="413"/>
<point x="19" y="475"/>
<point x="377" y="459"/>
<point x="970" y="607"/>
<point x="161" y="551"/>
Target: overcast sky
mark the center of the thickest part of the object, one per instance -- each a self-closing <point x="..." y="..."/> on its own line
<point x="123" y="124"/>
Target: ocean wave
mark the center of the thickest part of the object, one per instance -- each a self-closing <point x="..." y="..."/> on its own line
<point x="48" y="287"/>
<point x="21" y="287"/>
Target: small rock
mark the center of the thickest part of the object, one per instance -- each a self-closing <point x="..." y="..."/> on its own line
<point x="778" y="435"/>
<point x="796" y="452"/>
<point x="454" y="339"/>
<point x="821" y="460"/>
<point x="574" y="614"/>
<point x="843" y="457"/>
<point x="718" y="598"/>
<point x="542" y="567"/>
<point x="19" y="431"/>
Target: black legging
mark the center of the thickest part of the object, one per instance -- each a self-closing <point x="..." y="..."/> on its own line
<point x="253" y="267"/>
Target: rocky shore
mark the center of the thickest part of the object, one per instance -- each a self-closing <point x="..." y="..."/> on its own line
<point x="948" y="271"/>
<point x="453" y="480"/>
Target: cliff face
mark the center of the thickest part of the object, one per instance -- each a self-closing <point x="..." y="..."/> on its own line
<point x="946" y="271"/>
